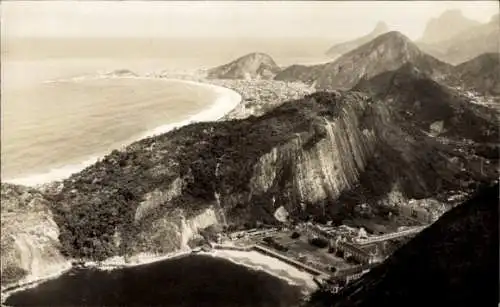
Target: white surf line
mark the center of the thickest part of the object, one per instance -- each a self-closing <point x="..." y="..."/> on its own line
<point x="225" y="102"/>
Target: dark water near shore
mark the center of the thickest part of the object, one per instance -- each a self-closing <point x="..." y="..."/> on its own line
<point x="195" y="280"/>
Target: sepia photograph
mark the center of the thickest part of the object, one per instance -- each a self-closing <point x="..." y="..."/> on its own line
<point x="250" y="153"/>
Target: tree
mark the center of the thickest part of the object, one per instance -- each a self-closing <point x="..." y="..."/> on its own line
<point x="319" y="242"/>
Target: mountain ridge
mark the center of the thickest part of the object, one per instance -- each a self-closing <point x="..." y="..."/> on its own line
<point x="386" y="52"/>
<point x="446" y="25"/>
<point x="466" y="44"/>
<point x="341" y="48"/>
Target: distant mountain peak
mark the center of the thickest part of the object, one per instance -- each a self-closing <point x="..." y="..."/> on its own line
<point x="342" y="48"/>
<point x="387" y="52"/>
<point x="380" y="28"/>
<point x="392" y="36"/>
<point x="255" y="65"/>
<point x="446" y="25"/>
<point x="452" y="13"/>
<point x="495" y="18"/>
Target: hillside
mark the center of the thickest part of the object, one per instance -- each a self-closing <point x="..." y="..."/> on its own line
<point x="387" y="52"/>
<point x="423" y="102"/>
<point x="250" y="66"/>
<point x="448" y="24"/>
<point x="481" y="74"/>
<point x="342" y="48"/>
<point x="454" y="262"/>
<point x="467" y="44"/>
<point x="305" y="154"/>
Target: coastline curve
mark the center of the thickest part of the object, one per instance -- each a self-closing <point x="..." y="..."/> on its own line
<point x="226" y="100"/>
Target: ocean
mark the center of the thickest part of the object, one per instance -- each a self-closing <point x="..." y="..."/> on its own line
<point x="195" y="280"/>
<point x="53" y="125"/>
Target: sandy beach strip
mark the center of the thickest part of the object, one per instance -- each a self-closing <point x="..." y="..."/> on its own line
<point x="270" y="265"/>
<point x="226" y="100"/>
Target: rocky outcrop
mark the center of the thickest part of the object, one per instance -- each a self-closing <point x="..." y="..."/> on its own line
<point x="342" y="48"/>
<point x="387" y="52"/>
<point x="445" y="26"/>
<point x="447" y="264"/>
<point x="170" y="232"/>
<point x="30" y="245"/>
<point x="250" y="66"/>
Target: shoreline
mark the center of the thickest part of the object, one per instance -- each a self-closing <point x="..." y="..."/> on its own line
<point x="251" y="259"/>
<point x="226" y="100"/>
<point x="257" y="261"/>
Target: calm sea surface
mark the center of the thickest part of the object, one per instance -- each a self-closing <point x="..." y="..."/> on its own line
<point x="49" y="130"/>
<point x="189" y="281"/>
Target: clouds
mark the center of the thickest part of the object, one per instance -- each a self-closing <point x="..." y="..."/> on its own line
<point x="226" y="19"/>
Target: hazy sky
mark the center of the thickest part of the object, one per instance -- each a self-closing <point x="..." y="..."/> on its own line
<point x="227" y="19"/>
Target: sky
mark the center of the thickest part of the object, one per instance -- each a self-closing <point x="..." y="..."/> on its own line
<point x="335" y="19"/>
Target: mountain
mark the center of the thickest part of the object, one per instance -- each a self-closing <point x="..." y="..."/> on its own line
<point x="345" y="47"/>
<point x="422" y="101"/>
<point x="315" y="157"/>
<point x="250" y="66"/>
<point x="480" y="74"/>
<point x="387" y="52"/>
<point x="468" y="44"/>
<point x="448" y="24"/>
<point x="454" y="262"/>
<point x="304" y="156"/>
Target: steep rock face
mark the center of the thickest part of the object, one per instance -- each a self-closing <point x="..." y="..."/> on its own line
<point x="250" y="66"/>
<point x="30" y="244"/>
<point x="454" y="262"/>
<point x="345" y="47"/>
<point x="170" y="231"/>
<point x="387" y="52"/>
<point x="306" y="156"/>
<point x="313" y="167"/>
<point x="447" y="25"/>
<point x="468" y="44"/>
<point x="481" y="74"/>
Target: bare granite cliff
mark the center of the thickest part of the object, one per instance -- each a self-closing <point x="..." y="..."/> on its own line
<point x="30" y="245"/>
